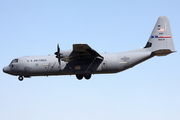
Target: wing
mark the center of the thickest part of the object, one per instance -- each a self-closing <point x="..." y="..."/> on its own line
<point x="82" y="51"/>
<point x="83" y="59"/>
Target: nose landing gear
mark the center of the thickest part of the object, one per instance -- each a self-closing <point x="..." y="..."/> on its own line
<point x="20" y="78"/>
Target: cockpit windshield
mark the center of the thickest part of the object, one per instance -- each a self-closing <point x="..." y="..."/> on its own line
<point x="14" y="61"/>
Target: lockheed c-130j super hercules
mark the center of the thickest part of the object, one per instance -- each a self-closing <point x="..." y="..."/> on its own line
<point x="83" y="61"/>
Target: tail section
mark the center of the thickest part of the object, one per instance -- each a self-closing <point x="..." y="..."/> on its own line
<point x="161" y="42"/>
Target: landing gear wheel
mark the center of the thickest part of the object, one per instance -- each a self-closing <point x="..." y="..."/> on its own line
<point x="87" y="76"/>
<point x="20" y="78"/>
<point x="79" y="76"/>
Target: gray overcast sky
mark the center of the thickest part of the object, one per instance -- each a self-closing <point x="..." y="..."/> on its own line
<point x="149" y="91"/>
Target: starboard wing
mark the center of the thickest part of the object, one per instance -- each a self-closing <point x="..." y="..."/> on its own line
<point x="83" y="59"/>
<point x="82" y="51"/>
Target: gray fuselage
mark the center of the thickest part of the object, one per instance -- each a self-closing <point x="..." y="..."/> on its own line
<point x="48" y="65"/>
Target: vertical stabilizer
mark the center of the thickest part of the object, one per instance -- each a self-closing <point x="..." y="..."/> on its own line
<point x="161" y="42"/>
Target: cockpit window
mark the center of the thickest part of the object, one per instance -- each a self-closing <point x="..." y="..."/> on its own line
<point x="14" y="61"/>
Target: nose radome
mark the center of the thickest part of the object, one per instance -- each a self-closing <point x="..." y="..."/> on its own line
<point x="6" y="69"/>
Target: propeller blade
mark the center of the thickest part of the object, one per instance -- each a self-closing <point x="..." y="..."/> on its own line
<point x="58" y="55"/>
<point x="59" y="61"/>
<point x="58" y="48"/>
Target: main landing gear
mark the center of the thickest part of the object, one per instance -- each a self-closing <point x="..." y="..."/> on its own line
<point x="86" y="76"/>
<point x="20" y="78"/>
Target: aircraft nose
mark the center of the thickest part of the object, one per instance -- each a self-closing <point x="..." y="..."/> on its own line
<point x="6" y="69"/>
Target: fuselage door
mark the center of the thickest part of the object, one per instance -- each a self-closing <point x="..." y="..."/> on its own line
<point x="51" y="66"/>
<point x="26" y="70"/>
<point x="104" y="65"/>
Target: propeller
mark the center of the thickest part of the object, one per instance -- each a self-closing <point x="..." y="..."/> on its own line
<point x="58" y="55"/>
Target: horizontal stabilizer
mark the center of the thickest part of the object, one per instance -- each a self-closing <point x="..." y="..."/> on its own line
<point x="162" y="52"/>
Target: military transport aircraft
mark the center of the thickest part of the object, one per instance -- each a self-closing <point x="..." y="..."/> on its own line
<point x="83" y="61"/>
